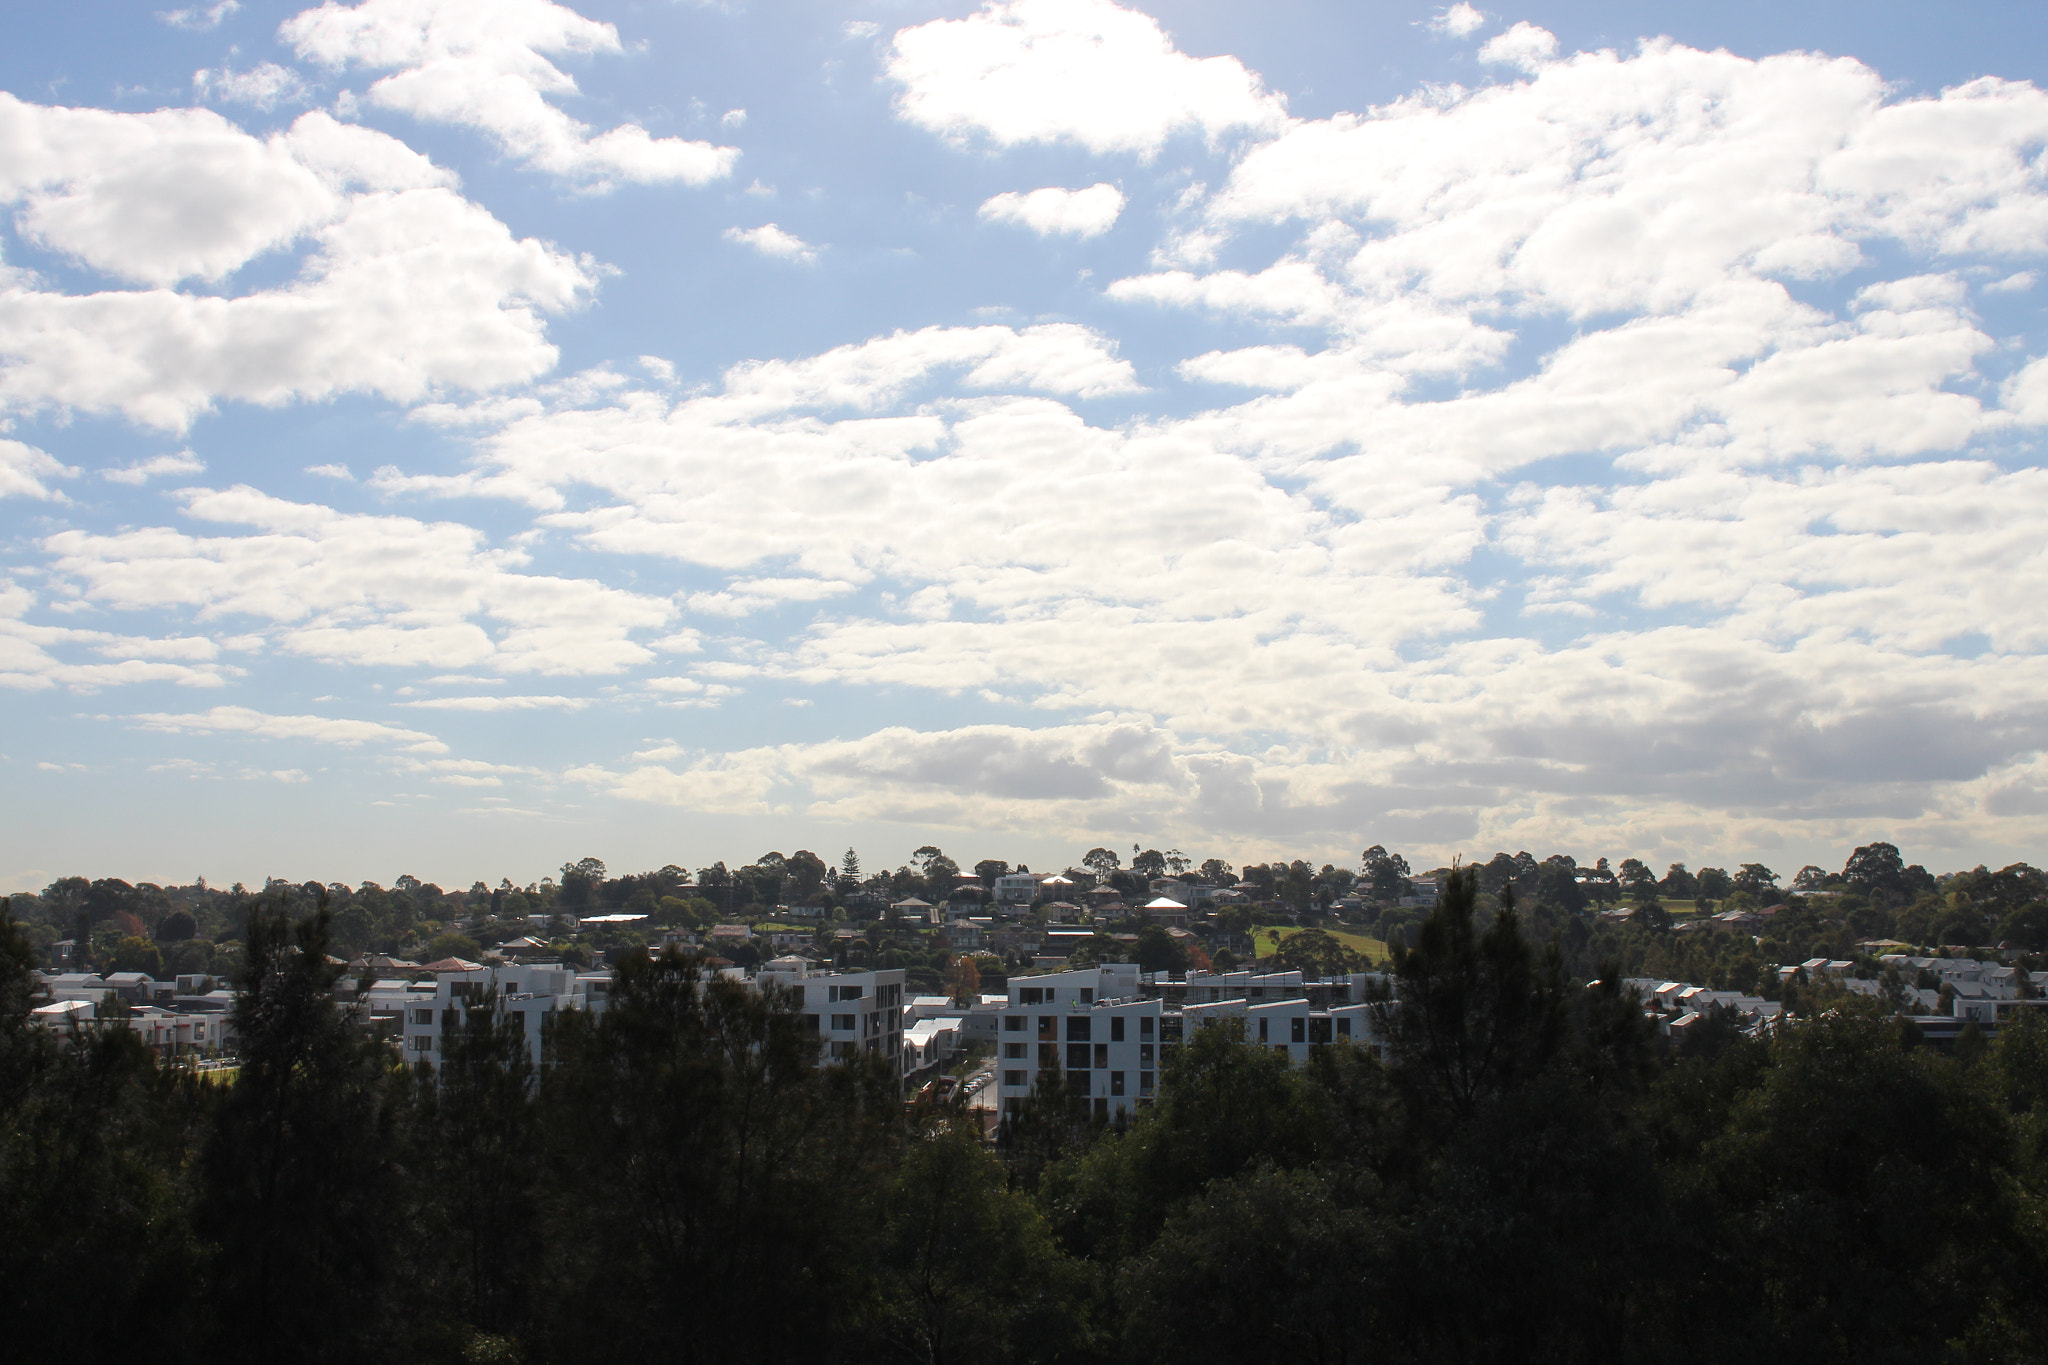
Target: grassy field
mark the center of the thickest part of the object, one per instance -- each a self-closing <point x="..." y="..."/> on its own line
<point x="1372" y="949"/>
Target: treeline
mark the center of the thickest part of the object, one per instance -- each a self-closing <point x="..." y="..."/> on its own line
<point x="1530" y="1176"/>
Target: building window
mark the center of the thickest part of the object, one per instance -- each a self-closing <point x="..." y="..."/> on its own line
<point x="1013" y="1023"/>
<point x="1145" y="1026"/>
<point x="1087" y="996"/>
<point x="1048" y="1056"/>
<point x="1015" y="1052"/>
<point x="1262" y="1029"/>
<point x="1299" y="1032"/>
<point x="1144" y="1082"/>
<point x="422" y="1044"/>
<point x="423" y="1016"/>
<point x="1079" y="1030"/>
<point x="1031" y="995"/>
<point x="843" y="1023"/>
<point x="1344" y="1028"/>
<point x="1013" y="1077"/>
<point x="1116" y="1028"/>
<point x="1077" y="1083"/>
<point x="1116" y="1082"/>
<point x="1048" y="1028"/>
<point x="810" y="1023"/>
<point x="1077" y="1056"/>
<point x="1102" y="1054"/>
<point x="1144" y="1054"/>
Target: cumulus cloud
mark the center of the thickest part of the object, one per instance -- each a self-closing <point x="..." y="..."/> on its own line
<point x="241" y="720"/>
<point x="362" y="590"/>
<point x="407" y="287"/>
<point x="1082" y="71"/>
<point x="265" y="86"/>
<point x="485" y="64"/>
<point x="500" y="703"/>
<point x="770" y="240"/>
<point x="1459" y="21"/>
<point x="1525" y="46"/>
<point x="142" y="471"/>
<point x="1071" y="771"/>
<point x="198" y="18"/>
<point x="23" y="469"/>
<point x="1054" y="211"/>
<point x="36" y="657"/>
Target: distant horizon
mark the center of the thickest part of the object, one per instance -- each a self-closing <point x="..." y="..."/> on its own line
<point x="434" y="430"/>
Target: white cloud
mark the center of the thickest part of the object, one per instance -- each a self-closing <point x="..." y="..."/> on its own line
<point x="241" y="720"/>
<point x="485" y="64"/>
<point x="198" y="19"/>
<point x="1081" y="71"/>
<point x="142" y="471"/>
<point x="23" y="469"/>
<point x="770" y="240"/>
<point x="1459" y="21"/>
<point x="32" y="655"/>
<point x="1524" y="45"/>
<point x="363" y="590"/>
<point x="265" y="86"/>
<point x="331" y="471"/>
<point x="733" y="118"/>
<point x="408" y="287"/>
<point x="500" y="704"/>
<point x="1076" y="213"/>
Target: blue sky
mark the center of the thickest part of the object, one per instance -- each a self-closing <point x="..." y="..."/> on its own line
<point x="455" y="438"/>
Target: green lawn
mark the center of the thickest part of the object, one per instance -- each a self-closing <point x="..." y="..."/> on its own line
<point x="1372" y="949"/>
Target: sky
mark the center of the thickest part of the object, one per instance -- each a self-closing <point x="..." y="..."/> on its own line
<point x="456" y="437"/>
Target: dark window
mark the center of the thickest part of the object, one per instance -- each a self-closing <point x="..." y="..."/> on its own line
<point x="1087" y="996"/>
<point x="843" y="1022"/>
<point x="1030" y="995"/>
<point x="1013" y="1078"/>
<point x="1077" y="1056"/>
<point x="1116" y="1082"/>
<point x="1013" y="1023"/>
<point x="1145" y="1054"/>
<point x="1144" y="1082"/>
<point x="1116" y="1029"/>
<point x="1015" y="1052"/>
<point x="1319" y="1030"/>
<point x="1299" y="1032"/>
<point x="1262" y="1028"/>
<point x="1145" y="1026"/>
<point x="1048" y="1055"/>
<point x="1048" y="1028"/>
<point x="1079" y="1029"/>
<point x="1344" y="1028"/>
<point x="1102" y="1054"/>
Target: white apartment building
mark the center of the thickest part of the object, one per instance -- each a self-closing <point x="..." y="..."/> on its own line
<point x="1291" y="1026"/>
<point x="850" y="1012"/>
<point x="528" y="992"/>
<point x="1093" y="1026"/>
<point x="1108" y="1028"/>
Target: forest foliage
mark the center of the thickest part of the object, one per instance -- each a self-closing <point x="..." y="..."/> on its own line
<point x="1529" y="1174"/>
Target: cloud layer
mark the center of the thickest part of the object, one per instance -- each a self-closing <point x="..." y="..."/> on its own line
<point x="1637" y="448"/>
